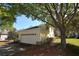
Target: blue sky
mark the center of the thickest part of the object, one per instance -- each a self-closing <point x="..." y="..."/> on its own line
<point x="23" y="22"/>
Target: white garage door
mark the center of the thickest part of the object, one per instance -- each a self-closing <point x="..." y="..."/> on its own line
<point x="29" y="38"/>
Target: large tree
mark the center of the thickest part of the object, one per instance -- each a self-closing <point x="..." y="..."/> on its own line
<point x="59" y="15"/>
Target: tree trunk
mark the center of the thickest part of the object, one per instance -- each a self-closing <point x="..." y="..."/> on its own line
<point x="63" y="39"/>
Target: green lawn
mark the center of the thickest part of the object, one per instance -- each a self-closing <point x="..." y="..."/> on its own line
<point x="3" y="43"/>
<point x="72" y="41"/>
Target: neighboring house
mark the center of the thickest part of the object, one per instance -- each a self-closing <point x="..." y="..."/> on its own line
<point x="12" y="35"/>
<point x="4" y="35"/>
<point x="35" y="34"/>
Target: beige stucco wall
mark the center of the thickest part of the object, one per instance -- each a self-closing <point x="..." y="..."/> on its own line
<point x="46" y="32"/>
<point x="43" y="32"/>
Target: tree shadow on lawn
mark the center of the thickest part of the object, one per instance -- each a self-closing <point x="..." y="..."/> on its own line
<point x="74" y="49"/>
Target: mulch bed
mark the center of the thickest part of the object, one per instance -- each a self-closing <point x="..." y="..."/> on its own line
<point x="45" y="51"/>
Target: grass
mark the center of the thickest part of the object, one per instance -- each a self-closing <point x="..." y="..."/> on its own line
<point x="73" y="45"/>
<point x="3" y="43"/>
<point x="72" y="41"/>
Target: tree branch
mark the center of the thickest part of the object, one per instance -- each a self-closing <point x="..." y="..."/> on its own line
<point x="61" y="9"/>
<point x="42" y="19"/>
<point x="57" y="13"/>
<point x="75" y="10"/>
<point x="50" y="11"/>
<point x="66" y="8"/>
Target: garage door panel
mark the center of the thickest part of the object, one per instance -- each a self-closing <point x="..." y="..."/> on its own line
<point x="31" y="39"/>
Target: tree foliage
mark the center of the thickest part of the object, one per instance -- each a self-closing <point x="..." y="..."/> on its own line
<point x="7" y="16"/>
<point x="60" y="15"/>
